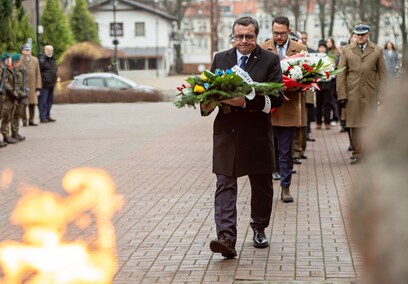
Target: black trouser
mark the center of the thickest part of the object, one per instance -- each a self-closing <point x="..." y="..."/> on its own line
<point x="324" y="98"/>
<point x="225" y="203"/>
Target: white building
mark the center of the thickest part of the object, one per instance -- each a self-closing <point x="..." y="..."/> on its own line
<point x="143" y="34"/>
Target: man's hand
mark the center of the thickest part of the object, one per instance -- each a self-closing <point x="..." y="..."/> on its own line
<point x="343" y="103"/>
<point x="238" y="102"/>
<point x="208" y="107"/>
<point x="37" y="93"/>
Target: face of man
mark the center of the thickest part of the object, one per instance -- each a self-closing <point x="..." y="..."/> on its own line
<point x="48" y="50"/>
<point x="304" y="39"/>
<point x="245" y="38"/>
<point x="26" y="52"/>
<point x="362" y="39"/>
<point x="280" y="33"/>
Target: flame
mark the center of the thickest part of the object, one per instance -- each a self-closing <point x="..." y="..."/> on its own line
<point x="6" y="178"/>
<point x="43" y="255"/>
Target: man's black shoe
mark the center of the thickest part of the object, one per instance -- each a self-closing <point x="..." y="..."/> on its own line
<point x="260" y="240"/>
<point x="18" y="137"/>
<point x="3" y="144"/>
<point x="45" y="120"/>
<point x="32" y="124"/>
<point x="297" y="161"/>
<point x="310" y="139"/>
<point x="303" y="157"/>
<point x="355" y="160"/>
<point x="51" y="119"/>
<point x="276" y="176"/>
<point x="10" y="140"/>
<point x="224" y="246"/>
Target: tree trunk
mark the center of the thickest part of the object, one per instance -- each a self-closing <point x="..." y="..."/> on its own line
<point x="322" y="6"/>
<point x="332" y="14"/>
<point x="403" y="26"/>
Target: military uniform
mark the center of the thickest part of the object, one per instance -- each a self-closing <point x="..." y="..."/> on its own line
<point x="9" y="104"/>
<point x="3" y="78"/>
<point x="20" y="77"/>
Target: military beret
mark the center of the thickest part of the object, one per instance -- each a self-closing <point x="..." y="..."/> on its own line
<point x="15" y="57"/>
<point x="5" y="55"/>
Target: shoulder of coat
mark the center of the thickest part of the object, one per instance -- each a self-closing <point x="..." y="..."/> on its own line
<point x="266" y="44"/>
<point x="297" y="47"/>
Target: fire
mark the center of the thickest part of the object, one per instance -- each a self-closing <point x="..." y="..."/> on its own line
<point x="43" y="256"/>
<point x="6" y="178"/>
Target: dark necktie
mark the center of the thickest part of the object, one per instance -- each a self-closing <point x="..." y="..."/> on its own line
<point x="361" y="48"/>
<point x="243" y="61"/>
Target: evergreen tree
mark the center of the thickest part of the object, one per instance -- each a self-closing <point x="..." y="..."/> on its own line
<point x="82" y="23"/>
<point x="22" y="27"/>
<point x="6" y="34"/>
<point x="57" y="31"/>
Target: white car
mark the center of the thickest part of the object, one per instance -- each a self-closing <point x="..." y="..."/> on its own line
<point x="106" y="81"/>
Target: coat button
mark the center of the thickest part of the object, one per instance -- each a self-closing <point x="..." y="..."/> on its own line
<point x="233" y="130"/>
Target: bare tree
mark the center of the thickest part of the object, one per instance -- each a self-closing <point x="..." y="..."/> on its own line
<point x="332" y="15"/>
<point x="322" y="16"/>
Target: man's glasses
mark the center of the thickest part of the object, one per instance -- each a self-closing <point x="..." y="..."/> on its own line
<point x="280" y="34"/>
<point x="241" y="37"/>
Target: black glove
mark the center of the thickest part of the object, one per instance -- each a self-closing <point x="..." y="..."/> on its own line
<point x="343" y="103"/>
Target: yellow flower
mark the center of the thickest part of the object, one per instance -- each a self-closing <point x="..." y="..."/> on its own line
<point x="198" y="89"/>
<point x="204" y="77"/>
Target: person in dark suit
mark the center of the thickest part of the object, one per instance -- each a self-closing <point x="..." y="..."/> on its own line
<point x="243" y="140"/>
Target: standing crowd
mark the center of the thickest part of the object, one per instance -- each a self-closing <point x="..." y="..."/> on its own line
<point x="25" y="83"/>
<point x="264" y="136"/>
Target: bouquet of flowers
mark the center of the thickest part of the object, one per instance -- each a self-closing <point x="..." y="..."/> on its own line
<point x="303" y="71"/>
<point x="210" y="88"/>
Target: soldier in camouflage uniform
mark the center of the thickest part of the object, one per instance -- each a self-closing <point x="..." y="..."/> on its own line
<point x="20" y="77"/>
<point x="9" y="103"/>
<point x="3" y="77"/>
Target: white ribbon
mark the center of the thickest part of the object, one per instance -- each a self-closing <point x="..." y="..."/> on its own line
<point x="247" y="79"/>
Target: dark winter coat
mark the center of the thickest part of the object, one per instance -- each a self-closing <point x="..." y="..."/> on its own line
<point x="48" y="68"/>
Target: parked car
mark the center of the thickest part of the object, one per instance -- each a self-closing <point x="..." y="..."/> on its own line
<point x="106" y="81"/>
<point x="104" y="88"/>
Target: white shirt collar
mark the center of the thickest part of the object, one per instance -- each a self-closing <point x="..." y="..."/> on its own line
<point x="239" y="55"/>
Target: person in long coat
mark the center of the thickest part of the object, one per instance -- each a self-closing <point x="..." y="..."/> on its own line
<point x="243" y="140"/>
<point x="358" y="84"/>
<point x="289" y="116"/>
<point x="33" y="84"/>
<point x="391" y="59"/>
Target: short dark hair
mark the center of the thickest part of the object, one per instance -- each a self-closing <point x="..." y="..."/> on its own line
<point x="246" y="21"/>
<point x="282" y="20"/>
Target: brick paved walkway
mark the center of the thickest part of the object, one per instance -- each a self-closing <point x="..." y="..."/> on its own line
<point x="160" y="159"/>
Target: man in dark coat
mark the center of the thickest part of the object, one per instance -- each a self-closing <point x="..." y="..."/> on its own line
<point x="48" y="69"/>
<point x="243" y="140"/>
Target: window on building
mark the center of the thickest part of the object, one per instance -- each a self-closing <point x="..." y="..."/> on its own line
<point x="139" y="29"/>
<point x="136" y="64"/>
<point x="152" y="63"/>
<point x="119" y="29"/>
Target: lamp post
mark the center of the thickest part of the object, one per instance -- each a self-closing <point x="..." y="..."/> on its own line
<point x="115" y="40"/>
<point x="37" y="19"/>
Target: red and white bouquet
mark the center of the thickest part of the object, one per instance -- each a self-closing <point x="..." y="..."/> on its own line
<point x="304" y="71"/>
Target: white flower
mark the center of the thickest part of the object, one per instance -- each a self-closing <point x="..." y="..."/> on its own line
<point x="296" y="73"/>
<point x="284" y="66"/>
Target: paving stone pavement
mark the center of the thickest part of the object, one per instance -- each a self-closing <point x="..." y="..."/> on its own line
<point x="160" y="160"/>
